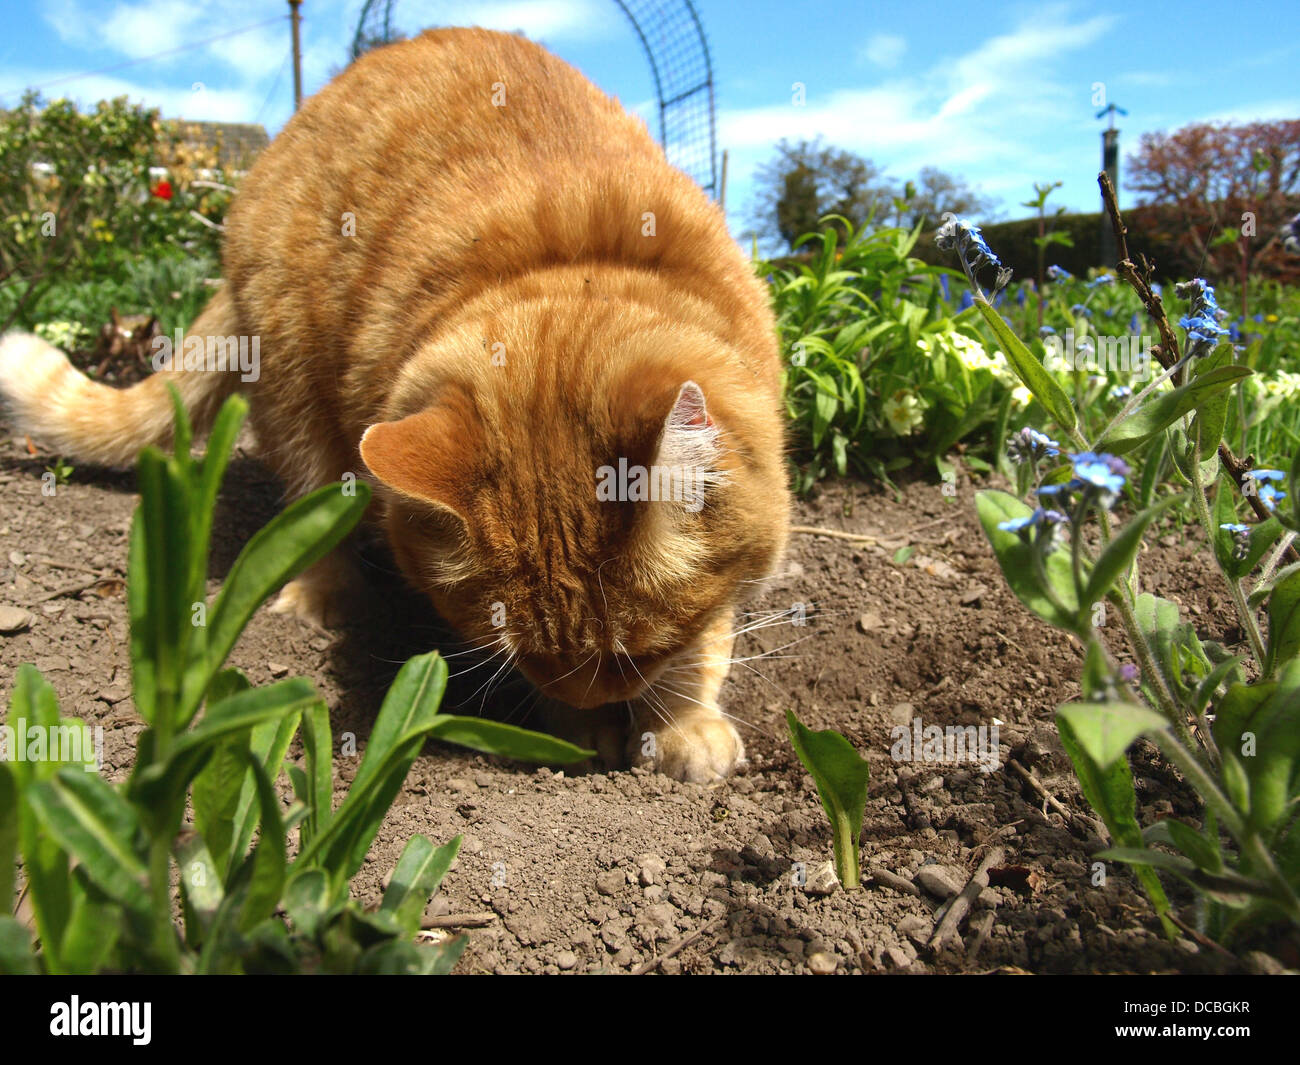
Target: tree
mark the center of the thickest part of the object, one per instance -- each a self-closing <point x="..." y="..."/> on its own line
<point x="935" y="193"/>
<point x="1226" y="191"/>
<point x="808" y="180"/>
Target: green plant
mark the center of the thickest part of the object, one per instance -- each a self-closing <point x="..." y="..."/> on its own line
<point x="1235" y="741"/>
<point x="841" y="776"/>
<point x="865" y="310"/>
<point x="61" y="471"/>
<point x="81" y="204"/>
<point x="98" y="859"/>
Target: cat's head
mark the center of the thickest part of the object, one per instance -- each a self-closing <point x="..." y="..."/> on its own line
<point x="590" y="520"/>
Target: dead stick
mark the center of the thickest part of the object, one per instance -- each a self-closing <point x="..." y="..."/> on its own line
<point x="836" y="534"/>
<point x="1166" y="351"/>
<point x="981" y="934"/>
<point x="962" y="903"/>
<point x="1051" y="799"/>
<point x="459" y="920"/>
<point x="676" y="948"/>
<point x="70" y="590"/>
<point x="887" y="879"/>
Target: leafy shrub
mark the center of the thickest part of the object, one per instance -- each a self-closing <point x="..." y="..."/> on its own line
<point x="79" y="200"/>
<point x="1236" y="740"/>
<point x="98" y="859"/>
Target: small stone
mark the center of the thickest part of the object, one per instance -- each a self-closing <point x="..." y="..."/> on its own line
<point x="459" y="784"/>
<point x="822" y="880"/>
<point x="277" y="669"/>
<point x="566" y="960"/>
<point x="652" y="869"/>
<point x="917" y="929"/>
<point x="1261" y="964"/>
<point x="823" y="964"/>
<point x="14" y="620"/>
<point x="973" y="597"/>
<point x="609" y="883"/>
<point x="17" y="558"/>
<point x="941" y="881"/>
<point x="902" y="713"/>
<point x="483" y="780"/>
<point x="869" y="622"/>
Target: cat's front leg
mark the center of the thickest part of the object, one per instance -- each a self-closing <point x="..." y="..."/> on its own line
<point x="678" y="727"/>
<point x="327" y="594"/>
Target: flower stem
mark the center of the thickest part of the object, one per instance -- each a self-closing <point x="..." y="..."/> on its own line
<point x="1248" y="623"/>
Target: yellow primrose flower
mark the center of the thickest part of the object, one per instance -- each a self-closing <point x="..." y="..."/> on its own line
<point x="1270" y="318"/>
<point x="903" y="411"/>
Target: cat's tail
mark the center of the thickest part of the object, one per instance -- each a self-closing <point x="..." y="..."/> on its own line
<point x="52" y="401"/>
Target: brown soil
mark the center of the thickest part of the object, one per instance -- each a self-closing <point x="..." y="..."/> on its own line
<point x="611" y="871"/>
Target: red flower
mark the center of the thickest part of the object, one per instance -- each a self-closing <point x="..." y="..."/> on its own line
<point x="163" y="190"/>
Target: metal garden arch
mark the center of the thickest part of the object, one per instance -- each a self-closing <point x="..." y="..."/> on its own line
<point x="672" y="35"/>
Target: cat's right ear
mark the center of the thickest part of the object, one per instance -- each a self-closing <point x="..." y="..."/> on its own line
<point x="421" y="456"/>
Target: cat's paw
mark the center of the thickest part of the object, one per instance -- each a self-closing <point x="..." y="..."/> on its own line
<point x="317" y="603"/>
<point x="699" y="748"/>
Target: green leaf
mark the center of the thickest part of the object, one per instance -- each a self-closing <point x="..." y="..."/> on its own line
<point x="1105" y="731"/>
<point x="215" y="797"/>
<point x="158" y="588"/>
<point x="1259" y="725"/>
<point x="1163" y="409"/>
<point x="1119" y="554"/>
<point x="1186" y="839"/>
<point x="92" y="933"/>
<point x="307" y="900"/>
<point x="269" y="742"/>
<point x="1226" y="886"/>
<point x="409" y="712"/>
<point x="1110" y="792"/>
<point x="1030" y="371"/>
<point x="200" y="882"/>
<point x="94" y="824"/>
<point x="17" y="957"/>
<point x="318" y="780"/>
<point x="269" y="858"/>
<point x="302" y="534"/>
<point x="508" y="741"/>
<point x="1220" y="674"/>
<point x="415" y="880"/>
<point x="1018" y="565"/>
<point x="284" y="699"/>
<point x="1207" y="426"/>
<point x="841" y="776"/>
<point x="221" y="441"/>
<point x="1283" y="623"/>
<point x="9" y="831"/>
<point x="34" y="707"/>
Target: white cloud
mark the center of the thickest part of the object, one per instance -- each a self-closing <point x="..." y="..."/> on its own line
<point x="982" y="113"/>
<point x="884" y="49"/>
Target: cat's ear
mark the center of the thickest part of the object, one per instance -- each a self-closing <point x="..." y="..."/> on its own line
<point x="689" y="441"/>
<point x="421" y="456"/>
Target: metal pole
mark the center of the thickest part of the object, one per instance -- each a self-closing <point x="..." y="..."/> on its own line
<point x="722" y="191"/>
<point x="294" y="20"/>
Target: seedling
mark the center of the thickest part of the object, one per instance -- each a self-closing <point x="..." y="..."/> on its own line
<point x="841" y="776"/>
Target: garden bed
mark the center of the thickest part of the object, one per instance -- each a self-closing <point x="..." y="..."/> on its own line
<point x="615" y="871"/>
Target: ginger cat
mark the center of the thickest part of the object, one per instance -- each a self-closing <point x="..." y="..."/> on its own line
<point x="476" y="279"/>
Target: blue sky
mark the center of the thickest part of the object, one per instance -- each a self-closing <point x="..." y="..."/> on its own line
<point x="998" y="93"/>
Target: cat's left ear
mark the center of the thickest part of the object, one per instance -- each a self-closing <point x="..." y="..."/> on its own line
<point x="421" y="456"/>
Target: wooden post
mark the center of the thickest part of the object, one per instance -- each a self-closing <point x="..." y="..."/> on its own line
<point x="295" y="19"/>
